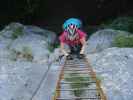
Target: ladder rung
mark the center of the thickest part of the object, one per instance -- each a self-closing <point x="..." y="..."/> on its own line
<point x="74" y="98"/>
<point x="84" y="69"/>
<point x="73" y="66"/>
<point x="75" y="89"/>
<point x="76" y="72"/>
<point x="83" y="82"/>
<point x="86" y="76"/>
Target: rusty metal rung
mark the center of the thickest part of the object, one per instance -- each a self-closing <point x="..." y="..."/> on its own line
<point x="83" y="82"/>
<point x="77" y="72"/>
<point x="86" y="76"/>
<point x="74" y="98"/>
<point x="75" y="64"/>
<point x="75" y="89"/>
<point x="72" y="66"/>
<point x="82" y="69"/>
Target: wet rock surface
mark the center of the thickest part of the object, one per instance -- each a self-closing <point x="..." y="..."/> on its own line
<point x="102" y="39"/>
<point x="114" y="67"/>
<point x="24" y="61"/>
<point x="29" y="70"/>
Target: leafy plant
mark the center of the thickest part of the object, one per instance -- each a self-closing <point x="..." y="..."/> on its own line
<point x="52" y="47"/>
<point x="31" y="5"/>
<point x="123" y="41"/>
<point x="17" y="32"/>
<point x="120" y="23"/>
<point x="13" y="55"/>
<point x="27" y="53"/>
<point x="56" y="45"/>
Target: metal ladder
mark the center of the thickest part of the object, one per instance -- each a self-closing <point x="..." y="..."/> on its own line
<point x="78" y="81"/>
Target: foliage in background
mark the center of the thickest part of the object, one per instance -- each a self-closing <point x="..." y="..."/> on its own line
<point x="17" y="32"/>
<point x="123" y="41"/>
<point x="26" y="54"/>
<point x="120" y="23"/>
<point x="31" y="5"/>
<point x="13" y="55"/>
<point x="52" y="47"/>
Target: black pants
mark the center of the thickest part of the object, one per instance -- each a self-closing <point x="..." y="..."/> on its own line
<point x="75" y="49"/>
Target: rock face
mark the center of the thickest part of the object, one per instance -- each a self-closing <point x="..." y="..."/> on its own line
<point x="32" y="44"/>
<point x="28" y="70"/>
<point x="11" y="28"/>
<point x="24" y="61"/>
<point x="102" y="39"/>
<point x="49" y="36"/>
<point x="19" y="80"/>
<point x="114" y="66"/>
<point x="27" y="40"/>
<point x="9" y="31"/>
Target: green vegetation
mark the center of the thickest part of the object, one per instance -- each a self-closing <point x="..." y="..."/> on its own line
<point x="120" y="23"/>
<point x="26" y="54"/>
<point x="13" y="55"/>
<point x="52" y="47"/>
<point x="17" y="32"/>
<point x="78" y="79"/>
<point x="123" y="41"/>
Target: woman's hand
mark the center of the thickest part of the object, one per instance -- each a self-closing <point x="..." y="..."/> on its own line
<point x="63" y="50"/>
<point x="82" y="51"/>
<point x="66" y="54"/>
<point x="83" y="42"/>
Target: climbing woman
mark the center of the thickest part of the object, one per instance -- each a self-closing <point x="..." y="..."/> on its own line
<point x="73" y="36"/>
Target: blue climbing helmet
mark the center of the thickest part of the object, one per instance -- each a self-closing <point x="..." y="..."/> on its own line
<point x="73" y="21"/>
<point x="71" y="25"/>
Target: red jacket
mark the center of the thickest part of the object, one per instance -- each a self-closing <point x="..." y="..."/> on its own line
<point x="63" y="38"/>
